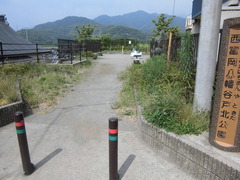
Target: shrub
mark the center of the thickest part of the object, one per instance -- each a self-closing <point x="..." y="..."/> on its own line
<point x="167" y="110"/>
<point x="153" y="70"/>
<point x="143" y="48"/>
<point x="89" y="54"/>
<point x="162" y="94"/>
<point x="187" y="64"/>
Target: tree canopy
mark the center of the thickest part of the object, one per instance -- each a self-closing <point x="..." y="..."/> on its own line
<point x="106" y="41"/>
<point x="162" y="24"/>
<point x="84" y="32"/>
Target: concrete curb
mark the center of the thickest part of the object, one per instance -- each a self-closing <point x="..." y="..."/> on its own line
<point x="7" y="112"/>
<point x="199" y="164"/>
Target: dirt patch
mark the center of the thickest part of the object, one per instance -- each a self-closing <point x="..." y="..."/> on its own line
<point x="129" y="114"/>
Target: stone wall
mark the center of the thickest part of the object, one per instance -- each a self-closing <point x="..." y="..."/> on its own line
<point x="7" y="112"/>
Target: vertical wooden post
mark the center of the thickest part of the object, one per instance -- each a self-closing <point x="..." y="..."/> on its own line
<point x="86" y="51"/>
<point x="71" y="53"/>
<point x="1" y="46"/>
<point x="169" y="47"/>
<point x="37" y="52"/>
<point x="80" y="52"/>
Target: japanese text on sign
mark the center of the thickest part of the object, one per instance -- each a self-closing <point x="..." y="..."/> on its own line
<point x="230" y="99"/>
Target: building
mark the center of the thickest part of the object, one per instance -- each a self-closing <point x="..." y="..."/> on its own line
<point x="230" y="9"/>
<point x="14" y="46"/>
<point x="188" y="24"/>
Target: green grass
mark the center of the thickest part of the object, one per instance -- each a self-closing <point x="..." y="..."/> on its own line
<point x="164" y="95"/>
<point x="126" y="100"/>
<point x="8" y="93"/>
<point x="41" y="84"/>
<point x="144" y="48"/>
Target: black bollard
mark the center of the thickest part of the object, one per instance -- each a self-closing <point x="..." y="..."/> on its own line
<point x="28" y="167"/>
<point x="113" y="149"/>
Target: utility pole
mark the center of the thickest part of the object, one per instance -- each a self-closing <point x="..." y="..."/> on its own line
<point x="207" y="54"/>
<point x="173" y="7"/>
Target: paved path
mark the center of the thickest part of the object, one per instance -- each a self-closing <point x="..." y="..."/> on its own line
<point x="71" y="141"/>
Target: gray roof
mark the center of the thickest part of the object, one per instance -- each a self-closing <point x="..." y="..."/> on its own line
<point x="14" y="44"/>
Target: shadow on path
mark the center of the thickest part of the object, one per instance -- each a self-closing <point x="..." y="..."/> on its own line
<point x="48" y="158"/>
<point x="123" y="169"/>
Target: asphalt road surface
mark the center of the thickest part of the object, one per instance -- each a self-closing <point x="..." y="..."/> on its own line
<point x="71" y="141"/>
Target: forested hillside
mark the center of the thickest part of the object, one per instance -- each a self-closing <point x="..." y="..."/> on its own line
<point x="137" y="25"/>
<point x="140" y="20"/>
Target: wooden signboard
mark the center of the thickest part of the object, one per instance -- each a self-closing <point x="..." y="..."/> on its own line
<point x="225" y="123"/>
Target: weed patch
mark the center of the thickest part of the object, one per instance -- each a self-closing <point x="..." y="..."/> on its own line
<point x="41" y="85"/>
<point x="164" y="94"/>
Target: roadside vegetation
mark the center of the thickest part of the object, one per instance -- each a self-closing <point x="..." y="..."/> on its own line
<point x="41" y="85"/>
<point x="164" y="95"/>
<point x="165" y="92"/>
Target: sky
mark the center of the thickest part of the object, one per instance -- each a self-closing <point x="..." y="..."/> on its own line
<point x="29" y="13"/>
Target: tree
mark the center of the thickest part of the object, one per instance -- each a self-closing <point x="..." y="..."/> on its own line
<point x="84" y="32"/>
<point x="106" y="41"/>
<point x="162" y="24"/>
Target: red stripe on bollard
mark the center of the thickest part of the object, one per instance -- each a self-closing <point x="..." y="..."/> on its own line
<point x="19" y="124"/>
<point x="113" y="131"/>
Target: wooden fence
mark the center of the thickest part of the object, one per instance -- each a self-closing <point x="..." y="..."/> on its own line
<point x="66" y="47"/>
